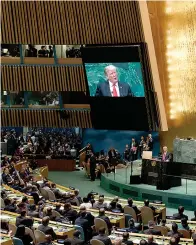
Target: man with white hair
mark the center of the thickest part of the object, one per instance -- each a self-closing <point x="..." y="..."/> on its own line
<point x="166" y="156"/>
<point x="113" y="87"/>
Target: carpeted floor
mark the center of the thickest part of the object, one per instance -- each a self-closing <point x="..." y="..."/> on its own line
<point x="79" y="180"/>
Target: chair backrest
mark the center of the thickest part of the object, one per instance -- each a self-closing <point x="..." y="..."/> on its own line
<point x="185" y="233"/>
<point x="2" y="203"/>
<point x="79" y="228"/>
<point x="51" y="195"/>
<point x="44" y="193"/>
<point x="12" y="228"/>
<point x="39" y="236"/>
<point x="17" y="241"/>
<point x="162" y="229"/>
<point x="131" y="211"/>
<point x="30" y="233"/>
<point x="101" y="223"/>
<point x="96" y="242"/>
<point x="146" y="214"/>
<point x="56" y="214"/>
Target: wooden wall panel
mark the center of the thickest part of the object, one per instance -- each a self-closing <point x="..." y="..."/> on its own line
<point x="45" y="118"/>
<point x="71" y="22"/>
<point x="40" y="78"/>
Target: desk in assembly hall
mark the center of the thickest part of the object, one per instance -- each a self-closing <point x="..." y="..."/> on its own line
<point x="160" y="208"/>
<point x="61" y="230"/>
<point x="17" y="195"/>
<point x="136" y="238"/>
<point x="117" y="220"/>
<point x="191" y="224"/>
<point x="5" y="239"/>
<point x="58" y="164"/>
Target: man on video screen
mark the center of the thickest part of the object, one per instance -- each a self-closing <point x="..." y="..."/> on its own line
<point x="113" y="87"/>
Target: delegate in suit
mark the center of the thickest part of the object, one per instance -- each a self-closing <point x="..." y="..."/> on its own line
<point x="113" y="87"/>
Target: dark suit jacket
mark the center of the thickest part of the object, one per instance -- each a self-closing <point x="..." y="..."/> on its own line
<point x="86" y="227"/>
<point x="103" y="89"/>
<point x="47" y="230"/>
<point x="168" y="157"/>
<point x="152" y="232"/>
<point x="180" y="216"/>
<point x="34" y="214"/>
<point x="127" y="242"/>
<point x="24" y="221"/>
<point x="103" y="238"/>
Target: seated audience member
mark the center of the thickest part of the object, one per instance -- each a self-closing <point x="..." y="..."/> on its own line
<point x="151" y="240"/>
<point x="76" y="240"/>
<point x="103" y="237"/>
<point x="184" y="224"/>
<point x="21" y="206"/>
<point x="132" y="227"/>
<point x="151" y="230"/>
<point x="180" y="214"/>
<point x="146" y="204"/>
<point x="105" y="218"/>
<point x="69" y="212"/>
<point x="58" y="208"/>
<point x="26" y="202"/>
<point x="10" y="205"/>
<point x="6" y="177"/>
<point x="83" y="222"/>
<point x="174" y="231"/>
<point x="49" y="213"/>
<point x="194" y="219"/>
<point x="76" y="192"/>
<point x="177" y="237"/>
<point x="116" y="199"/>
<point x="100" y="204"/>
<point x="48" y="240"/>
<point x="23" y="220"/>
<point x="20" y="234"/>
<point x="86" y="203"/>
<point x="47" y="229"/>
<point x="125" y="239"/>
<point x="115" y="208"/>
<point x="89" y="217"/>
<point x="143" y="242"/>
<point x="33" y="211"/>
<point x="130" y="204"/>
<point x="73" y="200"/>
<point x="58" y="194"/>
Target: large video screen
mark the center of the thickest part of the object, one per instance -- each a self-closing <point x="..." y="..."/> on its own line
<point x="115" y="79"/>
<point x="119" y="86"/>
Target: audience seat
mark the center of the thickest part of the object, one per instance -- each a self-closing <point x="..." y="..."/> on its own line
<point x="30" y="233"/>
<point x="79" y="228"/>
<point x="185" y="233"/>
<point x="96" y="242"/>
<point x="51" y="195"/>
<point x="17" y="241"/>
<point x="147" y="215"/>
<point x="2" y="203"/>
<point x="131" y="211"/>
<point x="44" y="193"/>
<point x="39" y="236"/>
<point x="99" y="223"/>
<point x="162" y="229"/>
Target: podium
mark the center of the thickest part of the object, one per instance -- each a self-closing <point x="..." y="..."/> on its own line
<point x="156" y="172"/>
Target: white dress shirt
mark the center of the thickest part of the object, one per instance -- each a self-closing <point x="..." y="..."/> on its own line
<point x="112" y="87"/>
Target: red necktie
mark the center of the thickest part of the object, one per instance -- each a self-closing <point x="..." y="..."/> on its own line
<point x="115" y="94"/>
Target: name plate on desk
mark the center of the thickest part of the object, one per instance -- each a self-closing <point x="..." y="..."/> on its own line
<point x="152" y="174"/>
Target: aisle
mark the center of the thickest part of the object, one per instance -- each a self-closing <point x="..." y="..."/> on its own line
<point x="78" y="180"/>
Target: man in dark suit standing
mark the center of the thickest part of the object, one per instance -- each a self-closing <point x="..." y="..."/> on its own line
<point x="113" y="87"/>
<point x="166" y="156"/>
<point x="92" y="166"/>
